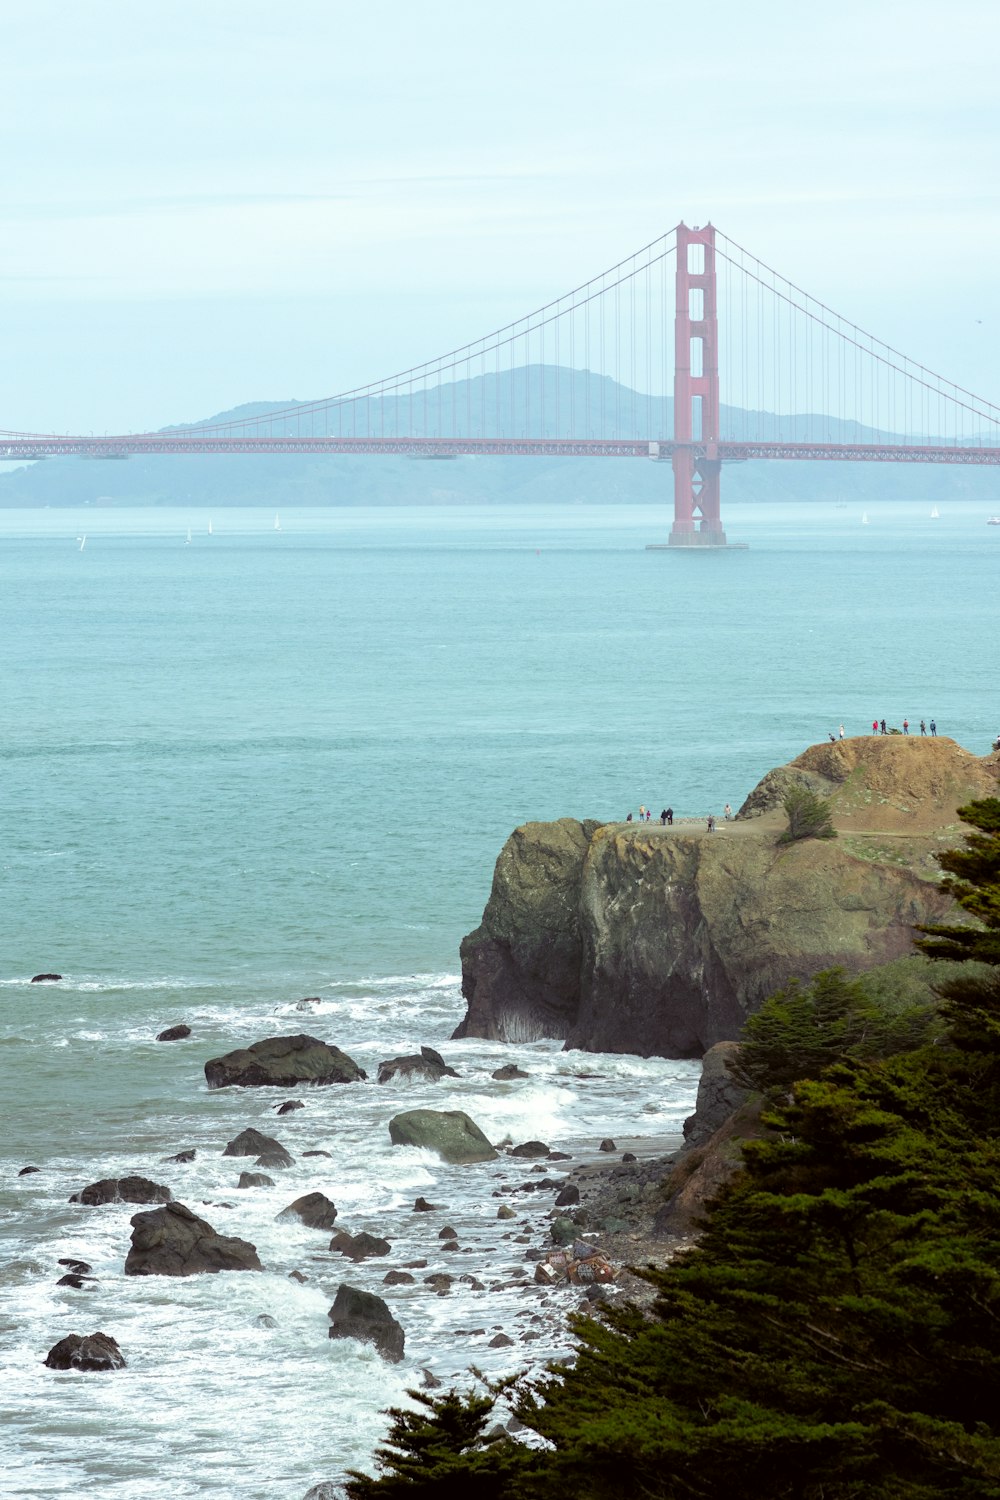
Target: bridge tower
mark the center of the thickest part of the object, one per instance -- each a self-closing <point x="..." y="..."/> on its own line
<point x="696" y="461"/>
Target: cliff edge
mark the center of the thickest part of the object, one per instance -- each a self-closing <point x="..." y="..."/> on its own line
<point x="635" y="938"/>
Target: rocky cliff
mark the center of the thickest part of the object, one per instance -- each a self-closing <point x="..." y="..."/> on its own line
<point x="636" y="938"/>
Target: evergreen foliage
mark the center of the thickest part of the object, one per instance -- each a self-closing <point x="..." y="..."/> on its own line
<point x="835" y="1333"/>
<point x="808" y="816"/>
<point x="803" y="1029"/>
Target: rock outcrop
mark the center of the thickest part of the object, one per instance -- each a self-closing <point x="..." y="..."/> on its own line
<point x="362" y="1315"/>
<point x="122" y="1190"/>
<point x="172" y="1241"/>
<point x="282" y="1062"/>
<point x="426" y="1064"/>
<point x="85" y="1351"/>
<point x="315" y="1210"/>
<point x="450" y="1133"/>
<point x="660" y="941"/>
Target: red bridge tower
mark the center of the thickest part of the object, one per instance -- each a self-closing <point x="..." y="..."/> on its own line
<point x="696" y="459"/>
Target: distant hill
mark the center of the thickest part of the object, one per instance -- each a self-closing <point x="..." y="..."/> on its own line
<point x="586" y="402"/>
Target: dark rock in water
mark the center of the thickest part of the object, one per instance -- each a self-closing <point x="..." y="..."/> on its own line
<point x="398" y="1278"/>
<point x="628" y="1157"/>
<point x="255" y="1180"/>
<point x="530" y="1148"/>
<point x="447" y="1233"/>
<point x="325" y="1490"/>
<point x="289" y="1105"/>
<point x="252" y="1143"/>
<point x="719" y="1095"/>
<point x="508" y="1072"/>
<point x="421" y="1206"/>
<point x="361" y="1315"/>
<point x="607" y="1144"/>
<point x="317" y="1153"/>
<point x="430" y="1381"/>
<point x="81" y="1267"/>
<point x="183" y="1156"/>
<point x="172" y="1241"/>
<point x="264" y="1320"/>
<point x="501" y="1341"/>
<point x="450" y="1133"/>
<point x="27" y="1171"/>
<point x="569" y="1195"/>
<point x="359" y="1246"/>
<point x="313" y="1209"/>
<point x="174" y="1034"/>
<point x="298" y="1276"/>
<point x="440" y="1281"/>
<point x="46" y="979"/>
<point x="559" y="1156"/>
<point x="74" y="1279"/>
<point x="424" y="1064"/>
<point x="89" y="1351"/>
<point x="309" y="1000"/>
<point x="282" y="1062"/>
<point x="503" y="1212"/>
<point x="277" y="1160"/>
<point x="123" y="1190"/>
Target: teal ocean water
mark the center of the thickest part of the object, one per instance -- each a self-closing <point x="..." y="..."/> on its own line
<point x="275" y="763"/>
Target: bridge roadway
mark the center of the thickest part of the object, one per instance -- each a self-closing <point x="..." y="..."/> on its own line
<point x="24" y="446"/>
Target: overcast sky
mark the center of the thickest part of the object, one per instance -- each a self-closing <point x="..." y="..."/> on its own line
<point x="207" y="202"/>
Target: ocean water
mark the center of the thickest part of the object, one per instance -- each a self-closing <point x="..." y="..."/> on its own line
<point x="269" y="764"/>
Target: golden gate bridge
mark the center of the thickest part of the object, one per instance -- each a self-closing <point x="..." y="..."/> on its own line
<point x="631" y="364"/>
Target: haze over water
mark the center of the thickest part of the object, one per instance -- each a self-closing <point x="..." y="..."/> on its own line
<point x="267" y="764"/>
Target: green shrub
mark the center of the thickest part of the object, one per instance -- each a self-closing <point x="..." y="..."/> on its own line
<point x="808" y="816"/>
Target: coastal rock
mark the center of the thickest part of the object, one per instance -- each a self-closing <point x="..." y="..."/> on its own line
<point x="530" y="1148"/>
<point x="426" y="1064"/>
<point x="123" y="1190"/>
<point x="255" y="1180"/>
<point x="290" y="1105"/>
<point x="277" y="1159"/>
<point x="361" y="1246"/>
<point x="251" y="1142"/>
<point x="282" y="1062"/>
<point x="172" y="1241"/>
<point x="361" y="1315"/>
<point x="87" y="1351"/>
<point x="174" y="1034"/>
<point x="700" y="1173"/>
<point x="508" y="1073"/>
<point x="28" y="1171"/>
<point x="183" y="1156"/>
<point x="521" y="967"/>
<point x="313" y="1209"/>
<point x="45" y="978"/>
<point x="450" y="1133"/>
<point x="661" y="941"/>
<point x="719" y="1095"/>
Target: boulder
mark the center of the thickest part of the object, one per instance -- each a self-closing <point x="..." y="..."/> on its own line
<point x="172" y="1241"/>
<point x="255" y="1180"/>
<point x="426" y="1064"/>
<point x="508" y="1073"/>
<point x="86" y="1351"/>
<point x="325" y="1490"/>
<point x="361" y="1315"/>
<point x="28" y="1171"/>
<point x="719" y="1095"/>
<point x="75" y="1280"/>
<point x="81" y="1267"/>
<point x="282" y="1062"/>
<point x="290" y="1105"/>
<point x="45" y="978"/>
<point x="661" y="941"/>
<point x="450" y="1133"/>
<point x="277" y="1159"/>
<point x="251" y="1142"/>
<point x="123" y="1190"/>
<point x="359" y="1247"/>
<point x="183" y="1156"/>
<point x="530" y="1148"/>
<point x="174" y="1034"/>
<point x="313" y="1209"/>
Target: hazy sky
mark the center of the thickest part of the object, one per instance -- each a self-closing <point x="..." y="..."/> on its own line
<point x="214" y="201"/>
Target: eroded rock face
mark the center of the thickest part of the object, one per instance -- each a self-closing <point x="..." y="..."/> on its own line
<point x="86" y="1351"/>
<point x="172" y="1241"/>
<point x="719" y="1095"/>
<point x="282" y="1062"/>
<point x="362" y="1315"/>
<point x="660" y="941"/>
<point x="123" y="1190"/>
<point x="521" y="967"/>
<point x="313" y="1209"/>
<point x="451" y="1133"/>
<point x="426" y="1064"/>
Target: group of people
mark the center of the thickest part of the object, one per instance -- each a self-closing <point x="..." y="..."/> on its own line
<point x="667" y="817"/>
<point x="878" y="727"/>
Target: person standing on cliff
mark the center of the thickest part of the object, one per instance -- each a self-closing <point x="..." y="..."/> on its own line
<point x="933" y="728"/>
<point x="906" y="726"/>
<point x="874" y="726"/>
<point x="884" y="730"/>
<point x="727" y="812"/>
<point x="711" y="823"/>
<point x="841" y="731"/>
<point x="669" y="815"/>
<point x="923" y="727"/>
<point x="663" y="818"/>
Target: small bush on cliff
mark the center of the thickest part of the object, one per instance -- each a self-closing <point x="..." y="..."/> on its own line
<point x="803" y="1029"/>
<point x="808" y="816"/>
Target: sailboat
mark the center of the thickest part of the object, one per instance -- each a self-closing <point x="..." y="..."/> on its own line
<point x="82" y="540"/>
<point x="187" y="540"/>
<point x="277" y="524"/>
<point x="864" y="518"/>
<point x="935" y="514"/>
<point x="210" y="528"/>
